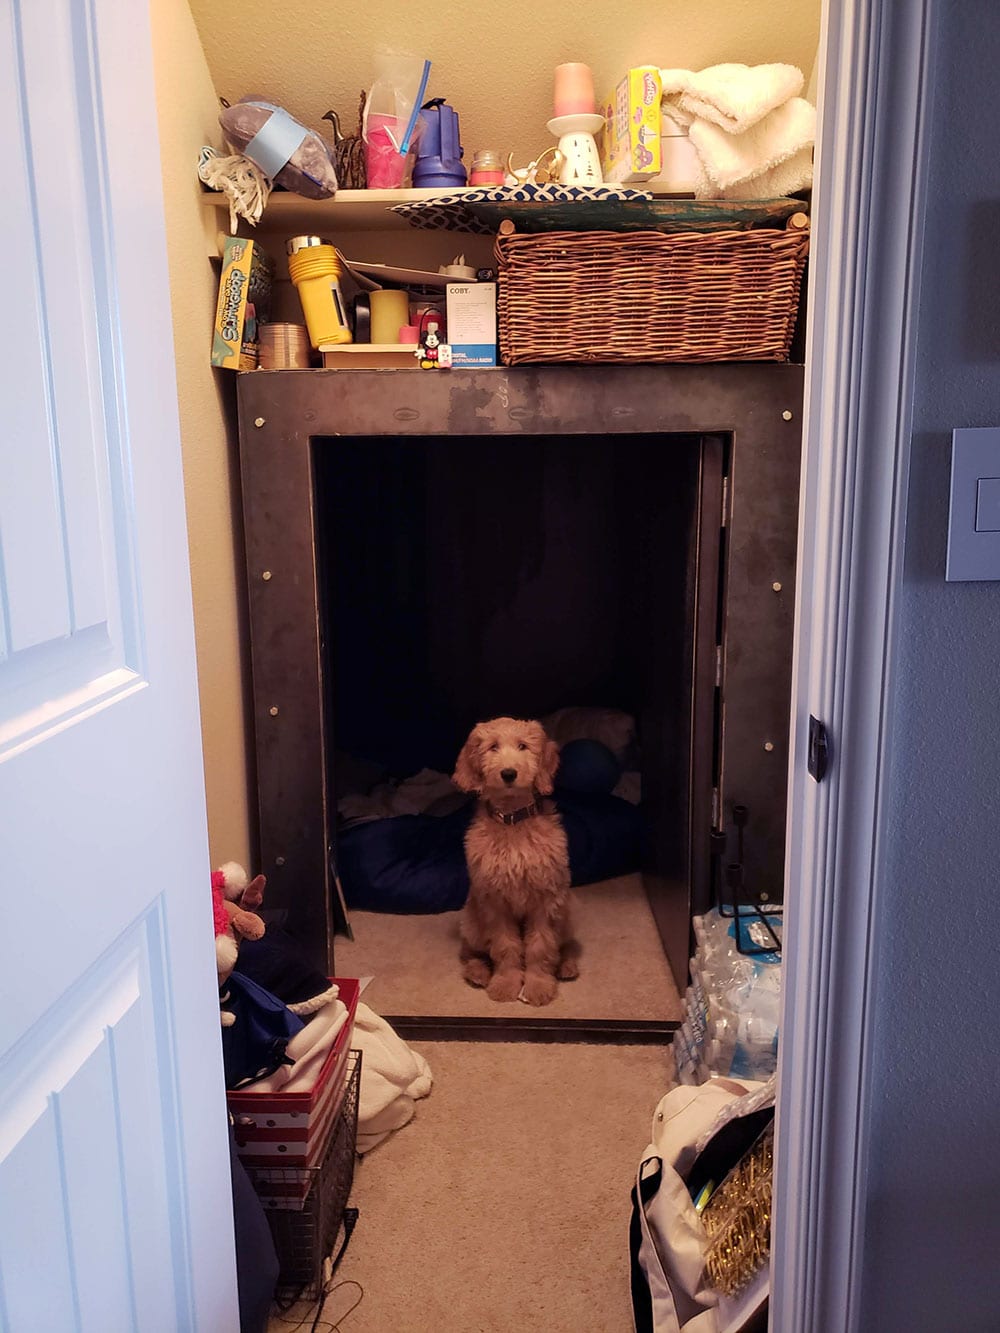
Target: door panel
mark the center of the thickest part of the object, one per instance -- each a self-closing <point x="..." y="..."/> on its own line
<point x="114" y="1159"/>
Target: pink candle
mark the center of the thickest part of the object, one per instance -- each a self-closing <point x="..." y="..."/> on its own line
<point x="574" y="92"/>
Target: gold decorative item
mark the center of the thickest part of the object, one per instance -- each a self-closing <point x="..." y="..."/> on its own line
<point x="538" y="172"/>
<point x="737" y="1219"/>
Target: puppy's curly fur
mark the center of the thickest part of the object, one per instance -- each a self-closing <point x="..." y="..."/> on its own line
<point x="515" y="927"/>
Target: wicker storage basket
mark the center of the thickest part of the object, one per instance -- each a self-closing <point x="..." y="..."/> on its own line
<point x="649" y="296"/>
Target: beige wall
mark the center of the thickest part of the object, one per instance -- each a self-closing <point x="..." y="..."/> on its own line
<point x="493" y="62"/>
<point x="188" y="110"/>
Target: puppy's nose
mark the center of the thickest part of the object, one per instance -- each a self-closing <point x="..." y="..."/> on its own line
<point x="508" y="774"/>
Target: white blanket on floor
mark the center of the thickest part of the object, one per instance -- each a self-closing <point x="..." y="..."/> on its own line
<point x="393" y="1078"/>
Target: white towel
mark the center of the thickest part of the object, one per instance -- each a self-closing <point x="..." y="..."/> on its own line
<point x="779" y="182"/>
<point x="734" y="97"/>
<point x="771" y="159"/>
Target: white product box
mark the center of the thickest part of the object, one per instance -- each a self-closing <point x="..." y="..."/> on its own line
<point x="472" y="323"/>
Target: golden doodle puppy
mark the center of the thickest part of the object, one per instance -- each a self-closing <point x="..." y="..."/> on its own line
<point x="515" y="928"/>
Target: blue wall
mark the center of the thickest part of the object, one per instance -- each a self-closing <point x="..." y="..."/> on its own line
<point x="933" y="1231"/>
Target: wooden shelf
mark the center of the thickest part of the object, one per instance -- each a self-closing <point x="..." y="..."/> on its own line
<point x="348" y="210"/>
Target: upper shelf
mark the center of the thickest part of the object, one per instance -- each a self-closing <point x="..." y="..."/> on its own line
<point x="348" y="210"/>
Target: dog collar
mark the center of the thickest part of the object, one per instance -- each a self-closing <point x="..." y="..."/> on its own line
<point x="510" y="817"/>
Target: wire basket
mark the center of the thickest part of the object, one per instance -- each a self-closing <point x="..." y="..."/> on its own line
<point x="304" y="1238"/>
<point x="648" y="296"/>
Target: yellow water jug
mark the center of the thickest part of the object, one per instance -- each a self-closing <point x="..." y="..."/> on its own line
<point x="314" y="268"/>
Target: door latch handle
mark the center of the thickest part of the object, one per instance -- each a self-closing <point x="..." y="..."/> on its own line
<point x="819" y="749"/>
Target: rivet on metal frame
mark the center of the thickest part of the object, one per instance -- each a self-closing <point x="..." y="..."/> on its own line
<point x="258" y="422"/>
<point x="273" y="710"/>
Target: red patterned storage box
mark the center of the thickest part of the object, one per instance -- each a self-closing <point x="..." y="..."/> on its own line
<point x="292" y="1129"/>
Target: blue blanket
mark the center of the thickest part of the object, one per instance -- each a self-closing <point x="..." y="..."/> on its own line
<point x="416" y="863"/>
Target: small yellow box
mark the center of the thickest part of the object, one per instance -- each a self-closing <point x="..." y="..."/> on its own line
<point x="244" y="302"/>
<point x="630" y="141"/>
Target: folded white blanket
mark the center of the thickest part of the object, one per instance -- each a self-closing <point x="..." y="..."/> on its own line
<point x="734" y="97"/>
<point x="742" y="166"/>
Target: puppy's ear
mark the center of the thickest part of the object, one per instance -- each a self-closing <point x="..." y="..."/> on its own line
<point x="548" y="762"/>
<point x="467" y="773"/>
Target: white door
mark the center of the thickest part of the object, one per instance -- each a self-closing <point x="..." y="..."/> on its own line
<point x="115" y="1202"/>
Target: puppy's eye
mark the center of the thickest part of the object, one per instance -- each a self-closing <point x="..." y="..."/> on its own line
<point x="521" y="745"/>
<point x="495" y="746"/>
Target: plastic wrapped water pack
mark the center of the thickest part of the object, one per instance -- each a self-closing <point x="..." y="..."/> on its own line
<point x="731" y="1007"/>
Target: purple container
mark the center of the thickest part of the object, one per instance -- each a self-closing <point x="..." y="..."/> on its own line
<point x="439" y="150"/>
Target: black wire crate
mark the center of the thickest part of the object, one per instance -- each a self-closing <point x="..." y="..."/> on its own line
<point x="304" y="1237"/>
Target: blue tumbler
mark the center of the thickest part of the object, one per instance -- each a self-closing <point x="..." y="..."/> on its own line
<point x="439" y="152"/>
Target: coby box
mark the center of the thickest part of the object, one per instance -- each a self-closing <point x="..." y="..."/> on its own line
<point x="472" y="323"/>
<point x="244" y="302"/>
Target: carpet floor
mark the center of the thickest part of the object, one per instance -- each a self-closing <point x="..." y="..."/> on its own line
<point x="414" y="962"/>
<point x="503" y="1206"/>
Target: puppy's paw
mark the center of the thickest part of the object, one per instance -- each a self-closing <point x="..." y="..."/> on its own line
<point x="568" y="969"/>
<point x="540" y="989"/>
<point x="477" y="972"/>
<point x="504" y="986"/>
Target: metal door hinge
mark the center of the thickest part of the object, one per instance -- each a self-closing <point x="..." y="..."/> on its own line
<point x="718" y="665"/>
<point x="819" y="749"/>
<point x="725" y="502"/>
<point x="715" y="807"/>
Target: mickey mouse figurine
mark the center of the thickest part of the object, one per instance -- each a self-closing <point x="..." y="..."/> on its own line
<point x="431" y="352"/>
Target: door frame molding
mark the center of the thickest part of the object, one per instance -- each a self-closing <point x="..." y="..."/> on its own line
<point x="868" y="210"/>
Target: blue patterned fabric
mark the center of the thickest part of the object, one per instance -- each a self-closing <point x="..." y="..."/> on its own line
<point x="448" y="212"/>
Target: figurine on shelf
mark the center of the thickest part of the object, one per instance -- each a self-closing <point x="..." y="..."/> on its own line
<point x="538" y="172"/>
<point x="431" y="352"/>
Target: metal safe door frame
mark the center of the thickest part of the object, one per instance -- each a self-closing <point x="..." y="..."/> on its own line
<point x="282" y="414"/>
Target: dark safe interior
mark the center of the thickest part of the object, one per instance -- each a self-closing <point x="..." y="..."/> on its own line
<point x="465" y="579"/>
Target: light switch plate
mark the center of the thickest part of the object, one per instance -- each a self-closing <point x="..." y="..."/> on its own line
<point x="974" y="513"/>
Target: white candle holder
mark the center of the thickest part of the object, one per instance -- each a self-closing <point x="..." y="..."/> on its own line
<point x="581" y="160"/>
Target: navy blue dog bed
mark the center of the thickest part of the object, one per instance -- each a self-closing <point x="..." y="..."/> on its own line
<point x="416" y="863"/>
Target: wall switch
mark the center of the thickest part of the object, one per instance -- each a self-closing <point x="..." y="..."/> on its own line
<point x="974" y="514"/>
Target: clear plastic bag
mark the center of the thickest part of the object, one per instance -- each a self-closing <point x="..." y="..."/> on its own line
<point x="392" y="125"/>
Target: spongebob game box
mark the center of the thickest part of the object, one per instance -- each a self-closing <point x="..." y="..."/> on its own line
<point x="630" y="140"/>
<point x="244" y="302"/>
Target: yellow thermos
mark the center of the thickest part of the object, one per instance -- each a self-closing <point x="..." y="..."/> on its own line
<point x="315" y="269"/>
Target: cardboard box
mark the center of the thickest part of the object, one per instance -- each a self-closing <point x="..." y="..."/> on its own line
<point x="472" y="323"/>
<point x="630" y="141"/>
<point x="244" y="300"/>
<point x="369" y="356"/>
<point x="289" y="1131"/>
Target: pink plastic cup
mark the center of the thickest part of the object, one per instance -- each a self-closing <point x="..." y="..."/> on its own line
<point x="574" y="90"/>
<point x="386" y="169"/>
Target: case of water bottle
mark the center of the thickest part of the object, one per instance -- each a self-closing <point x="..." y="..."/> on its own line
<point x="732" y="1005"/>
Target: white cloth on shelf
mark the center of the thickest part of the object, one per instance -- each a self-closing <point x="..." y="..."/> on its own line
<point x="733" y="97"/>
<point x="393" y="1078"/>
<point x="752" y="132"/>
<point x="770" y="160"/>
